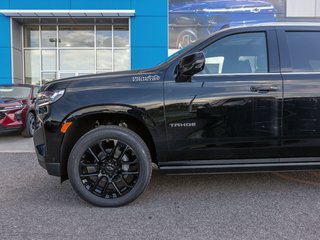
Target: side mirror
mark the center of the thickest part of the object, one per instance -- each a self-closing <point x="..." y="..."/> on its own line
<point x="189" y="66"/>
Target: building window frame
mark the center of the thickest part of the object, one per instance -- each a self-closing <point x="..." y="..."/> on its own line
<point x="58" y="48"/>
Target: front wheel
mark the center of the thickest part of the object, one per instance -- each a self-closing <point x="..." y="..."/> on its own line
<point x="110" y="166"/>
<point x="30" y="126"/>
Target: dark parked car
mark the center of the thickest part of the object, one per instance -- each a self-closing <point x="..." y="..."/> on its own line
<point x="17" y="110"/>
<point x="191" y="20"/>
<point x="245" y="99"/>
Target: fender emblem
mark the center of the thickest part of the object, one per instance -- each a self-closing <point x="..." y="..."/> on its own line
<point x="176" y="125"/>
<point x="149" y="78"/>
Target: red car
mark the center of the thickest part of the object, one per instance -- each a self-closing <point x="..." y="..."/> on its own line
<point x="17" y="108"/>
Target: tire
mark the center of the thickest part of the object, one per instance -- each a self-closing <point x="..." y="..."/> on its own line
<point x="30" y="126"/>
<point x="109" y="166"/>
<point x="185" y="38"/>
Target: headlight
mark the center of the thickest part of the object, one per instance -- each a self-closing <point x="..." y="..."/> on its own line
<point x="48" y="97"/>
<point x="15" y="107"/>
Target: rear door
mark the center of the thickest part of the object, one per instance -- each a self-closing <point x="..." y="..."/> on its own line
<point x="300" y="67"/>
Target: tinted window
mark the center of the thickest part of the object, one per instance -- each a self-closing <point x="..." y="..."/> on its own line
<point x="239" y="53"/>
<point x="35" y="91"/>
<point x="304" y="51"/>
<point x="14" y="92"/>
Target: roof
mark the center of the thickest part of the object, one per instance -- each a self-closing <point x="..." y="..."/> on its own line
<point x="272" y="24"/>
<point x="66" y="13"/>
<point x="287" y="24"/>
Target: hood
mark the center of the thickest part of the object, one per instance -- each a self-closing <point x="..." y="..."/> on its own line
<point x="218" y="5"/>
<point x="8" y="102"/>
<point x="112" y="78"/>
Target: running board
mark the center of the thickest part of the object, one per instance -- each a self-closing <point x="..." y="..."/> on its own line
<point x="240" y="168"/>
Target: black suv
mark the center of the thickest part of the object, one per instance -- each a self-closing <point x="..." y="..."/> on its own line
<point x="245" y="99"/>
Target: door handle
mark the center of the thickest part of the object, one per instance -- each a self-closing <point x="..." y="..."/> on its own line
<point x="263" y="89"/>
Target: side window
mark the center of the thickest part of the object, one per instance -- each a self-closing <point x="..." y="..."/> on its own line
<point x="304" y="51"/>
<point x="238" y="53"/>
<point x="35" y="91"/>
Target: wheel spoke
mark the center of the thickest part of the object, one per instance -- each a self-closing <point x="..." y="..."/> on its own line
<point x="114" y="149"/>
<point x="89" y="164"/>
<point x="94" y="155"/>
<point x="95" y="184"/>
<point x="104" y="191"/>
<point x="89" y="175"/>
<point x="102" y="148"/>
<point x="123" y="152"/>
<point x="116" y="188"/>
<point x="125" y="182"/>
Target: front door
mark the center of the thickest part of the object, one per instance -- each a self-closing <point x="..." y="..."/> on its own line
<point x="232" y="109"/>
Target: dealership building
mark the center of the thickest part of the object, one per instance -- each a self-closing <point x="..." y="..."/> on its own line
<point x="46" y="40"/>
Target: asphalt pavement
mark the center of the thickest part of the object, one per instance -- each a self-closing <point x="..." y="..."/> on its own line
<point x="15" y="143"/>
<point x="35" y="205"/>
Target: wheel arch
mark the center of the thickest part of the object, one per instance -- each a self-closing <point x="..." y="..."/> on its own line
<point x="86" y="119"/>
<point x="29" y="110"/>
<point x="24" y="118"/>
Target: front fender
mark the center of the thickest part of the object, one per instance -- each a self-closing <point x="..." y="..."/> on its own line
<point x="138" y="113"/>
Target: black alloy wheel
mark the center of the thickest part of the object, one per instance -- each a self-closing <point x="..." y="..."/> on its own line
<point x="109" y="166"/>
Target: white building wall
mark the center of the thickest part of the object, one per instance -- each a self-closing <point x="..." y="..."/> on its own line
<point x="303" y="8"/>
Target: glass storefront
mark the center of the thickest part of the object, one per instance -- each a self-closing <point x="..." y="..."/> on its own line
<point x="66" y="50"/>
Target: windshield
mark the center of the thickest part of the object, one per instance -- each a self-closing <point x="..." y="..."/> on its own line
<point x="14" y="92"/>
<point x="187" y="48"/>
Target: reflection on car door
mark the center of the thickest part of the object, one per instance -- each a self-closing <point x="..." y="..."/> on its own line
<point x="232" y="109"/>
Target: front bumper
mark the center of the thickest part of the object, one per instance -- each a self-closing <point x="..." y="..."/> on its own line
<point x="4" y="129"/>
<point x="13" y="120"/>
<point x="41" y="151"/>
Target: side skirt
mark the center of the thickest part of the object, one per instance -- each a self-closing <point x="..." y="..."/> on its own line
<point x="284" y="165"/>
